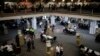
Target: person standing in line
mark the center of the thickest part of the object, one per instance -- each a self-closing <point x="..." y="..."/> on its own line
<point x="20" y="41"/>
<point x="78" y="39"/>
<point x="28" y="42"/>
<point x="32" y="41"/>
<point x="61" y="50"/>
<point x="32" y="37"/>
<point x="53" y="28"/>
<point x="58" y="50"/>
<point x="29" y="46"/>
<point x="17" y="40"/>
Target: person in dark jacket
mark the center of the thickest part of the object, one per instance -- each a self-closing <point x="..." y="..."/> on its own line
<point x="14" y="49"/>
<point x="17" y="40"/>
<point x="18" y="50"/>
<point x="29" y="46"/>
<point x="92" y="54"/>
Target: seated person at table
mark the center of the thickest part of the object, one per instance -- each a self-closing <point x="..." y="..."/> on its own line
<point x="92" y="54"/>
<point x="54" y="39"/>
<point x="43" y="37"/>
<point x="69" y="30"/>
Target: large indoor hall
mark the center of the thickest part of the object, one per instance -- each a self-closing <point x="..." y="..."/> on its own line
<point x="49" y="28"/>
<point x="68" y="38"/>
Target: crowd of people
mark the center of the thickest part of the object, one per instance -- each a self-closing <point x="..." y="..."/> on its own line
<point x="27" y="36"/>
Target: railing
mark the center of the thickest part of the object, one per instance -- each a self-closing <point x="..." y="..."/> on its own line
<point x="47" y="10"/>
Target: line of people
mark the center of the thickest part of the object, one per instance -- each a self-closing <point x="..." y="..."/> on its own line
<point x="27" y="38"/>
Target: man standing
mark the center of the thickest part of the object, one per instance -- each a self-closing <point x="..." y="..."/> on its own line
<point x="58" y="50"/>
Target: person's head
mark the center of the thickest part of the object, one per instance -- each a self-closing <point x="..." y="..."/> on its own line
<point x="61" y="44"/>
<point x="81" y="46"/>
<point x="19" y="31"/>
<point x="12" y="43"/>
<point x="77" y="35"/>
<point x="58" y="44"/>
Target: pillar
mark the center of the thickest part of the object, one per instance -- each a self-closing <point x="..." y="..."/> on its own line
<point x="5" y="29"/>
<point x="93" y="26"/>
<point x="18" y="22"/>
<point x="66" y="19"/>
<point x="28" y="24"/>
<point x="34" y="23"/>
<point x="52" y="20"/>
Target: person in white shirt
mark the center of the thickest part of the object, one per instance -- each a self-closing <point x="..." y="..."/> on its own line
<point x="58" y="50"/>
<point x="40" y="24"/>
<point x="9" y="48"/>
<point x="27" y="38"/>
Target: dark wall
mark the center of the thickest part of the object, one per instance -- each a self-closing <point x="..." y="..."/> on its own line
<point x="95" y="0"/>
<point x="2" y="3"/>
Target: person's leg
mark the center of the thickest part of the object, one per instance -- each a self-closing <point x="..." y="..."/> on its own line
<point x="57" y="54"/>
<point x="61" y="53"/>
<point x="28" y="46"/>
<point x="33" y="44"/>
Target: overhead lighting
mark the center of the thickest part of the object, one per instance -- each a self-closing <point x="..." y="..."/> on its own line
<point x="71" y="0"/>
<point x="78" y="0"/>
<point x="63" y="0"/>
<point x="53" y="0"/>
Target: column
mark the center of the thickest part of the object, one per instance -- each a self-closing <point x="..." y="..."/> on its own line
<point x="66" y="19"/>
<point x="28" y="24"/>
<point x="18" y="21"/>
<point x="5" y="29"/>
<point x="34" y="23"/>
<point x="93" y="26"/>
<point x="52" y="20"/>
